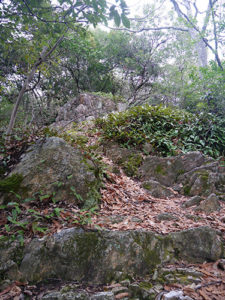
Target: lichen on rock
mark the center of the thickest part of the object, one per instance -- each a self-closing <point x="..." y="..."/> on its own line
<point x="53" y="167"/>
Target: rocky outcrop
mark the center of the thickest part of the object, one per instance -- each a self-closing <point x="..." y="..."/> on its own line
<point x="87" y="106"/>
<point x="100" y="257"/>
<point x="157" y="190"/>
<point x="128" y="159"/>
<point x="77" y="258"/>
<point x="196" y="200"/>
<point x="166" y="170"/>
<point x="11" y="254"/>
<point x="190" y="174"/>
<point x="52" y="167"/>
<point x="210" y="204"/>
<point x="78" y="295"/>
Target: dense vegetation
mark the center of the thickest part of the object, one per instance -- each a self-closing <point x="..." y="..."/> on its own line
<point x="168" y="130"/>
<point x="49" y="53"/>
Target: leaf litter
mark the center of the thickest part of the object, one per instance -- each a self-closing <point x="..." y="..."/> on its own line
<point x="125" y="205"/>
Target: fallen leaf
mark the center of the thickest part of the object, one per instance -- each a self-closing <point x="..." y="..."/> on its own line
<point x="204" y="296"/>
<point x="122" y="295"/>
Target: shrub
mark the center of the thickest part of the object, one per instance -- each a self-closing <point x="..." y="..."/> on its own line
<point x="169" y="130"/>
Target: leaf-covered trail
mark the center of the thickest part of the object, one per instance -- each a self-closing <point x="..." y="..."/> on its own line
<point x="126" y="205"/>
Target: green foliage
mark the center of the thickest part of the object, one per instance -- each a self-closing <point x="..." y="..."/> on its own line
<point x="131" y="164"/>
<point x="169" y="130"/>
<point x="11" y="183"/>
<point x="115" y="98"/>
<point x="84" y="216"/>
<point x="210" y="87"/>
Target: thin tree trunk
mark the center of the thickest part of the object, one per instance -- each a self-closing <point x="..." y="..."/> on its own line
<point x="43" y="57"/>
<point x="19" y="98"/>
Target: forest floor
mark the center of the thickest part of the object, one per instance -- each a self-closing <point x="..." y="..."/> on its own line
<point x="125" y="205"/>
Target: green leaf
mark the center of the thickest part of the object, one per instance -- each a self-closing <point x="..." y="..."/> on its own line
<point x="21" y="239"/>
<point x="116" y="18"/>
<point x="44" y="197"/>
<point x="7" y="227"/>
<point x="57" y="211"/>
<point x="125" y="21"/>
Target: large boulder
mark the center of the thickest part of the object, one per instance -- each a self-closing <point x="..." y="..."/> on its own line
<point x="128" y="159"/>
<point x="157" y="190"/>
<point x="100" y="257"/>
<point x="198" y="244"/>
<point x="194" y="173"/>
<point x="11" y="254"/>
<point x="166" y="170"/>
<point x="86" y="106"/>
<point x="210" y="204"/>
<point x="204" y="180"/>
<point x="53" y="167"/>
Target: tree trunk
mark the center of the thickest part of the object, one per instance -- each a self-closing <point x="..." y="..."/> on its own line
<point x="43" y="57"/>
<point x="19" y="98"/>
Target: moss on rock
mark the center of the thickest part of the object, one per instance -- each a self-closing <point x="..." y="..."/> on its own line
<point x="131" y="164"/>
<point x="11" y="183"/>
<point x="160" y="170"/>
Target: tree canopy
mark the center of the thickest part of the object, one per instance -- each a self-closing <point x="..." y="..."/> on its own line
<point x="50" y="51"/>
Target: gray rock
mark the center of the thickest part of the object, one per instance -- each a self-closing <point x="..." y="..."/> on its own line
<point x="221" y="264"/>
<point x="87" y="105"/>
<point x="166" y="170"/>
<point x="11" y="254"/>
<point x="211" y="204"/>
<point x="121" y="106"/>
<point x="125" y="282"/>
<point x="203" y="180"/>
<point x="54" y="167"/>
<point x="97" y="257"/>
<point x="190" y="174"/>
<point x="189" y="161"/>
<point x="139" y="292"/>
<point x="103" y="296"/>
<point x="119" y="289"/>
<point x="193" y="201"/>
<point x="157" y="190"/>
<point x="72" y="295"/>
<point x="180" y="275"/>
<point x="159" y="169"/>
<point x="177" y="187"/>
<point x="147" y="148"/>
<point x="166" y="217"/>
<point x="175" y="295"/>
<point x="136" y="220"/>
<point x="198" y="244"/>
<point x="128" y="159"/>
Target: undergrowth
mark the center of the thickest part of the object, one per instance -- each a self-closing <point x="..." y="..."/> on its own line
<point x="170" y="131"/>
<point x="42" y="214"/>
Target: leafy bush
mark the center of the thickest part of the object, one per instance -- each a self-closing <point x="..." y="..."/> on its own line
<point x="169" y="130"/>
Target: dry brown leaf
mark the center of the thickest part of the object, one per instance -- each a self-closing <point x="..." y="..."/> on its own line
<point x="206" y="273"/>
<point x="122" y="295"/>
<point x="188" y="289"/>
<point x="204" y="296"/>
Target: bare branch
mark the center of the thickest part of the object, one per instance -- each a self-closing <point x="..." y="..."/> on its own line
<point x="151" y="29"/>
<point x="201" y="33"/>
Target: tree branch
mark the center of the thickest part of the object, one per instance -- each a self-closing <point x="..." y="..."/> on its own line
<point x="201" y="34"/>
<point x="150" y="29"/>
<point x="35" y="85"/>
